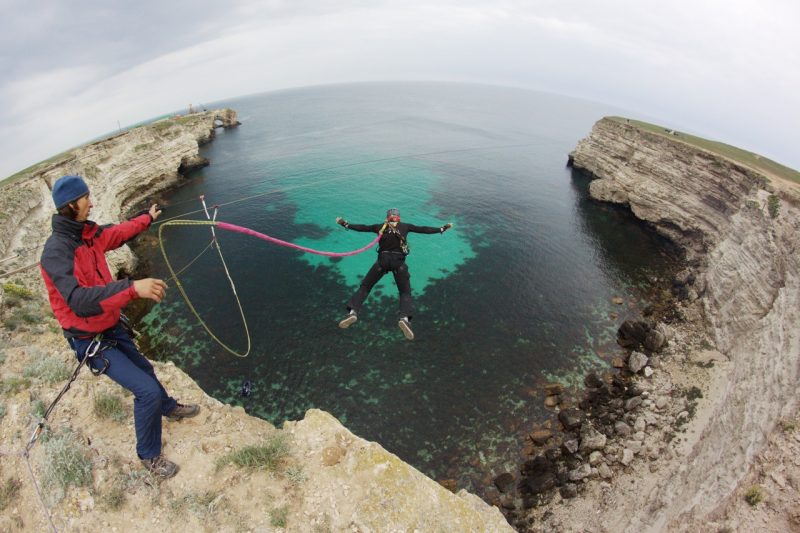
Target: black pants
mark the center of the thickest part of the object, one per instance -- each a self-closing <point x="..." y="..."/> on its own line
<point x="387" y="262"/>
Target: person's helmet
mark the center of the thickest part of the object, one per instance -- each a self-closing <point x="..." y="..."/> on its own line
<point x="393" y="214"/>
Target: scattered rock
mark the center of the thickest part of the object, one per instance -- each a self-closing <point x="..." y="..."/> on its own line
<point x="570" y="446"/>
<point x="591" y="439"/>
<point x="332" y="455"/>
<point x="504" y="482"/>
<point x="595" y="458"/>
<point x="552" y="401"/>
<point x="621" y="428"/>
<point x="583" y="471"/>
<point x="633" y="403"/>
<point x="450" y="484"/>
<point x="617" y="300"/>
<point x="571" y="418"/>
<point x="626" y="457"/>
<point x="647" y="371"/>
<point x="554" y="389"/>
<point x="540" y="436"/>
<point x="604" y="471"/>
<point x="570" y="490"/>
<point x="655" y="341"/>
<point x="636" y="361"/>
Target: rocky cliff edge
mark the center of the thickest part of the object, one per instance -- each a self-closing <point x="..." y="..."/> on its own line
<point x="740" y="230"/>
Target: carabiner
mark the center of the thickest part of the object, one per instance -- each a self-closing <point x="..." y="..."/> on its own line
<point x="92" y="351"/>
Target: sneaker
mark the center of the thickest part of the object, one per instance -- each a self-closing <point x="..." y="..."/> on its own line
<point x="349" y="320"/>
<point x="405" y="327"/>
<point x="160" y="466"/>
<point x="183" y="411"/>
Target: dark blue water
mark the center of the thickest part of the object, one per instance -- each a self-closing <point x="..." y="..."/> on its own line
<point x="518" y="293"/>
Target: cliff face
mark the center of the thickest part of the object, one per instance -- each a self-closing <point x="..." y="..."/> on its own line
<point x="748" y="277"/>
<point x="120" y="171"/>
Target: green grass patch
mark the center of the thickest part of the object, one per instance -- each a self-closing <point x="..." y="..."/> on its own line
<point x="110" y="406"/>
<point x="277" y="516"/>
<point x="296" y="475"/>
<point x="754" y="495"/>
<point x="744" y="157"/>
<point x="26" y="314"/>
<point x="267" y="456"/>
<point x="773" y="205"/>
<point x="113" y="498"/>
<point x="48" y="369"/>
<point x="9" y="489"/>
<point x="12" y="289"/>
<point x="693" y="394"/>
<point x="66" y="463"/>
<point x="27" y="172"/>
<point x="14" y="384"/>
<point x="38" y="408"/>
<point x="198" y="504"/>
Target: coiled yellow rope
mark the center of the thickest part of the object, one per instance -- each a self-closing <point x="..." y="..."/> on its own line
<point x="186" y="296"/>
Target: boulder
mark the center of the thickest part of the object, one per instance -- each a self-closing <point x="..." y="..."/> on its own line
<point x="504" y="482"/>
<point x="571" y="418"/>
<point x="591" y="439"/>
<point x="636" y="361"/>
<point x="655" y="341"/>
<point x="540" y="436"/>
<point x="632" y="333"/>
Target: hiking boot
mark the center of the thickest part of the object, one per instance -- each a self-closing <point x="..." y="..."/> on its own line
<point x="183" y="411"/>
<point x="349" y="320"/>
<point x="405" y="327"/>
<point x="160" y="466"/>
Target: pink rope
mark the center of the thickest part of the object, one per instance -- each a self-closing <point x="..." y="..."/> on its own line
<point x="253" y="233"/>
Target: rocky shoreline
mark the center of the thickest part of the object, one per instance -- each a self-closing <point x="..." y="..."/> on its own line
<point x="667" y="446"/>
<point x="625" y="419"/>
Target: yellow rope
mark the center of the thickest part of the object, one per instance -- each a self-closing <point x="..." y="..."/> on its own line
<point x="186" y="296"/>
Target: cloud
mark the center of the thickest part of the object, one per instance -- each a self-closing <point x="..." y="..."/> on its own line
<point x="723" y="69"/>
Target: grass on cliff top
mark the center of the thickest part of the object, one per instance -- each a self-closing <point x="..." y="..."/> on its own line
<point x="754" y="161"/>
<point x="162" y="122"/>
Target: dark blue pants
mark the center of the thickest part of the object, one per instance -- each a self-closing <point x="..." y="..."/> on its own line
<point x="128" y="367"/>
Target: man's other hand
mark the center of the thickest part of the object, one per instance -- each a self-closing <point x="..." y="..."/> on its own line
<point x="150" y="288"/>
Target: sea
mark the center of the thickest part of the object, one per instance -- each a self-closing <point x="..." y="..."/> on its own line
<point x="519" y="293"/>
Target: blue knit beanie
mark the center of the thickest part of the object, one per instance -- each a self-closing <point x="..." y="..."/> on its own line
<point x="68" y="189"/>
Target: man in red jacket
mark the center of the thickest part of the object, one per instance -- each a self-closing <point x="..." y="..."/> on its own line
<point x="88" y="302"/>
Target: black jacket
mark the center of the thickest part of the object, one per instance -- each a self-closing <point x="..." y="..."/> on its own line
<point x="393" y="238"/>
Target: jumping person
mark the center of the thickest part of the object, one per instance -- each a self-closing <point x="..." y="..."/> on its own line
<point x="392" y="252"/>
<point x="87" y="302"/>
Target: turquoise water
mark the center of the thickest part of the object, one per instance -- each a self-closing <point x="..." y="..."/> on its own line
<point x="517" y="293"/>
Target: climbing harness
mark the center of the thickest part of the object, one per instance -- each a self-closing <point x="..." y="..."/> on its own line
<point x="93" y="350"/>
<point x="403" y="242"/>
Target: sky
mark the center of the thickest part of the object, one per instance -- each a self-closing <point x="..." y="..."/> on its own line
<point x="76" y="69"/>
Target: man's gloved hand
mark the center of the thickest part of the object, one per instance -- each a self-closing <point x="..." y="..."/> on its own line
<point x="341" y="221"/>
<point x="446" y="227"/>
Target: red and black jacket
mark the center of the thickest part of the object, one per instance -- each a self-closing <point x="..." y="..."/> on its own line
<point x="84" y="297"/>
